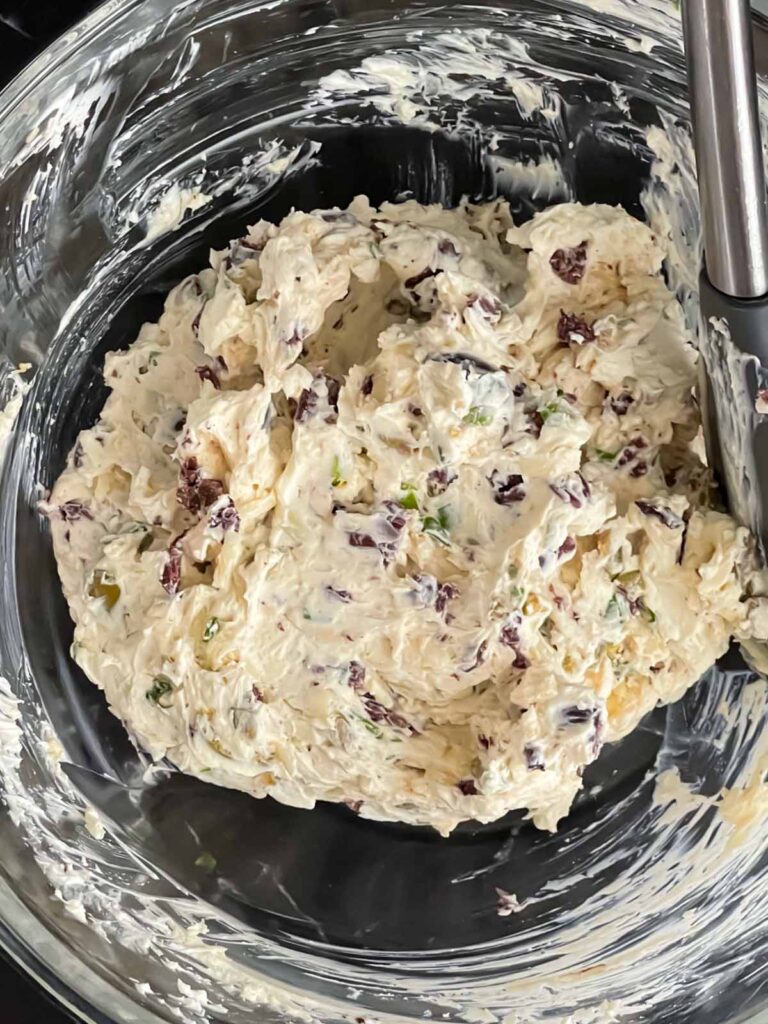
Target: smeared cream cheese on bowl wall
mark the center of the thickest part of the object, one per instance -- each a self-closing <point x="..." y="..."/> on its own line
<point x="404" y="508"/>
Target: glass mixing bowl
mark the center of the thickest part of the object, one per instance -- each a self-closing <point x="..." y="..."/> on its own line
<point x="650" y="904"/>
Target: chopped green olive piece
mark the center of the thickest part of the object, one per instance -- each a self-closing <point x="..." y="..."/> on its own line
<point x="212" y="627"/>
<point x="146" y="542"/>
<point x="550" y="409"/>
<point x="603" y="455"/>
<point x="478" y="416"/>
<point x="409" y="500"/>
<point x="627" y="579"/>
<point x="615" y="609"/>
<point x="103" y="585"/>
<point x="206" y="861"/>
<point x="337" y="479"/>
<point x="159" y="691"/>
<point x="370" y="726"/>
<point x="438" y="526"/>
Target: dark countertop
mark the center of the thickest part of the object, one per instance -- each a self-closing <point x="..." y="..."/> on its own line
<point x="25" y="29"/>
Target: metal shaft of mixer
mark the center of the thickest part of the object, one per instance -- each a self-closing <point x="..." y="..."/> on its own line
<point x="729" y="152"/>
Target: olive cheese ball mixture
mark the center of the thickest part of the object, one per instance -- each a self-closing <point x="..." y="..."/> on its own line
<point x="404" y="508"/>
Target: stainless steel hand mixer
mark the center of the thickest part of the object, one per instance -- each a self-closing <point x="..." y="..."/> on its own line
<point x="734" y="277"/>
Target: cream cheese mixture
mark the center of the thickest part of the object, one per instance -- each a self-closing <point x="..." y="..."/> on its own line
<point x="405" y="508"/>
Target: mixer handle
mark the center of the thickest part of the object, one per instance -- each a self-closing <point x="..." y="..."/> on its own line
<point x="729" y="154"/>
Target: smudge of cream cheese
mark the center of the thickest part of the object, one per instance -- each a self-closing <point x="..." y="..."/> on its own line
<point x="173" y="206"/>
<point x="14" y="387"/>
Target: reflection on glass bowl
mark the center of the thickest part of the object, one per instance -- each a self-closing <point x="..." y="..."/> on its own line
<point x="650" y="901"/>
